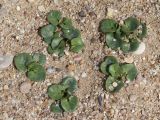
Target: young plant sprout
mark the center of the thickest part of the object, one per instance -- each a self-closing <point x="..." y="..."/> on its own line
<point x="59" y="32"/>
<point x="118" y="73"/>
<point x="126" y="36"/>
<point x="32" y="64"/>
<point x="62" y="93"/>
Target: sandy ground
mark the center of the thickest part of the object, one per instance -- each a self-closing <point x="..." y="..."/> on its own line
<point x="19" y="22"/>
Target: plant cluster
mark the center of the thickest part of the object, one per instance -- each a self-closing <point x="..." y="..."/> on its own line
<point x="32" y="64"/>
<point x="59" y="32"/>
<point x="127" y="36"/>
<point x="62" y="93"/>
<point x="117" y="73"/>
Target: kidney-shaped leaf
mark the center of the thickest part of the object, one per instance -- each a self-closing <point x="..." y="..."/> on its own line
<point x="130" y="71"/>
<point x="76" y="45"/>
<point x="105" y="64"/>
<point x="112" y="42"/>
<point x="56" y="92"/>
<point x="115" y="70"/>
<point x="113" y="85"/>
<point x="47" y="32"/>
<point x="39" y="57"/>
<point x="125" y="46"/>
<point x="56" y="42"/>
<point x="56" y="108"/>
<point x="69" y="104"/>
<point x="71" y="33"/>
<point x="71" y="82"/>
<point x="134" y="44"/>
<point x="36" y="72"/>
<point x="108" y="25"/>
<point x="66" y="23"/>
<point x="130" y="24"/>
<point x="54" y="17"/>
<point x="22" y="60"/>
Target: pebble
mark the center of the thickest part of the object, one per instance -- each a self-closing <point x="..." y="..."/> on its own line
<point x="128" y="59"/>
<point x="140" y="49"/>
<point x="132" y="98"/>
<point x="77" y="58"/>
<point x="18" y="8"/>
<point x="5" y="61"/>
<point x="30" y="1"/>
<point x="84" y="75"/>
<point x="41" y="8"/>
<point x="82" y="13"/>
<point x="111" y="12"/>
<point x="25" y="87"/>
<point x="71" y="67"/>
<point x="51" y="70"/>
<point x="5" y="87"/>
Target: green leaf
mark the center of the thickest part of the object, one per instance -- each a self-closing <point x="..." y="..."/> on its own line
<point x="57" y="34"/>
<point x="125" y="46"/>
<point x="134" y="44"/>
<point x="71" y="33"/>
<point x="56" y="92"/>
<point x="112" y="42"/>
<point x="60" y="49"/>
<point x="22" y="60"/>
<point x="130" y="71"/>
<point x="76" y="45"/>
<point x="104" y="67"/>
<point x="66" y="23"/>
<point x="143" y="31"/>
<point x="71" y="82"/>
<point x="54" y="17"/>
<point x="111" y="82"/>
<point x="39" y="57"/>
<point x="56" y="108"/>
<point x="47" y="32"/>
<point x="115" y="70"/>
<point x="130" y="24"/>
<point x="36" y="72"/>
<point x="50" y="50"/>
<point x="69" y="104"/>
<point x="108" y="25"/>
<point x="55" y="42"/>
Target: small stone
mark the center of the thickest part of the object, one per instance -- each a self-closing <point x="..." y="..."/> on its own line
<point x="51" y="70"/>
<point x="41" y="8"/>
<point x="84" y="75"/>
<point x="5" y="61"/>
<point x="111" y="12"/>
<point x="115" y="84"/>
<point x="132" y="98"/>
<point x="82" y="14"/>
<point x="25" y="87"/>
<point x="128" y="59"/>
<point x="71" y="67"/>
<point x="30" y="1"/>
<point x="18" y="8"/>
<point x="140" y="49"/>
<point x="77" y="58"/>
<point x="5" y="87"/>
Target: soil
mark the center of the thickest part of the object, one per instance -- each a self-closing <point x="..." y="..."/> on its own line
<point x="19" y="24"/>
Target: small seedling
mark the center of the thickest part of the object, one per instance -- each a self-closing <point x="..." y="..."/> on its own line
<point x="32" y="64"/>
<point x="126" y="36"/>
<point x="118" y="73"/>
<point x="59" y="32"/>
<point x="62" y="93"/>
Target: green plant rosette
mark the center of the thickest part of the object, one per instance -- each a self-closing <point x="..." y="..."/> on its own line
<point x="66" y="23"/>
<point x="104" y="66"/>
<point x="108" y="26"/>
<point x="36" y="72"/>
<point x="56" y="92"/>
<point x="115" y="70"/>
<point x="71" y="82"/>
<point x="69" y="104"/>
